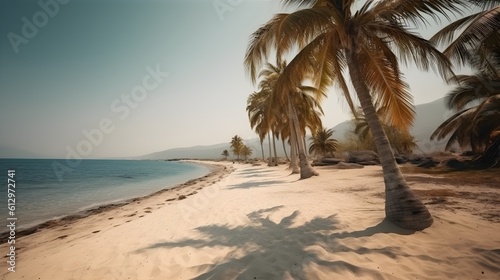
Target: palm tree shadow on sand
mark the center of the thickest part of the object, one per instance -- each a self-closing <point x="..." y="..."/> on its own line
<point x="265" y="249"/>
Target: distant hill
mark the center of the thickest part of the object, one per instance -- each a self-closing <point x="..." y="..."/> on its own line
<point x="213" y="151"/>
<point x="428" y="117"/>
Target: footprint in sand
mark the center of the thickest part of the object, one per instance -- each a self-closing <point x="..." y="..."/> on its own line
<point x="131" y="215"/>
<point x="96" y="231"/>
<point x="170" y="199"/>
<point x="147" y="211"/>
<point x="60" y="237"/>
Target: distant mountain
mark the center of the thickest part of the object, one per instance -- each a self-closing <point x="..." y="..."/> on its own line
<point x="198" y="152"/>
<point x="214" y="151"/>
<point x="428" y="117"/>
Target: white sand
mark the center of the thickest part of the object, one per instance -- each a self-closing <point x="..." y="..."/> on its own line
<point x="262" y="223"/>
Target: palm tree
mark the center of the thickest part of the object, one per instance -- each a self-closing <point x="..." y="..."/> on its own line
<point x="263" y="119"/>
<point x="225" y="154"/>
<point x="337" y="37"/>
<point x="286" y="107"/>
<point x="476" y="99"/>
<point x="258" y="116"/>
<point x="323" y="143"/>
<point x="236" y="146"/>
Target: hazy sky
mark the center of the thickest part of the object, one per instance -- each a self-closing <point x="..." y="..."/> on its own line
<point x="148" y="75"/>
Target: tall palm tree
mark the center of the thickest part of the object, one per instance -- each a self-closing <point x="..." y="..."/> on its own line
<point x="258" y="116"/>
<point x="363" y="40"/>
<point x="263" y="118"/>
<point x="323" y="143"/>
<point x="236" y="146"/>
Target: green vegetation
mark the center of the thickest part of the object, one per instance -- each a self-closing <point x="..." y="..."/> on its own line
<point x="322" y="143"/>
<point x="236" y="146"/>
<point x="225" y="154"/>
<point x="239" y="148"/>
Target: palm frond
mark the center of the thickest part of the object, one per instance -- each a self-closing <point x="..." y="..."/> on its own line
<point x="471" y="88"/>
<point x="414" y="49"/>
<point x="388" y="89"/>
<point x="261" y="42"/>
<point x="479" y="27"/>
<point x="415" y="12"/>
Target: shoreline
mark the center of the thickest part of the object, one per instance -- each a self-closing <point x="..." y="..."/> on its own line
<point x="214" y="169"/>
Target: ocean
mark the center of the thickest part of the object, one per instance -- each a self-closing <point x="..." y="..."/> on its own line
<point x="46" y="189"/>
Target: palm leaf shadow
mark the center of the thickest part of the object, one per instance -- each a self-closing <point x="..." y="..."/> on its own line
<point x="272" y="250"/>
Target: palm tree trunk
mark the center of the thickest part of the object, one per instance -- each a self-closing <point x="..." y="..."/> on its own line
<point x="305" y="144"/>
<point x="306" y="170"/>
<point x="275" y="154"/>
<point x="262" y="149"/>
<point x="294" y="163"/>
<point x="284" y="149"/>
<point x="269" y="162"/>
<point x="402" y="207"/>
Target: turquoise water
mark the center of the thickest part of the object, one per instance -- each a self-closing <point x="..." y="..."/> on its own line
<point x="45" y="192"/>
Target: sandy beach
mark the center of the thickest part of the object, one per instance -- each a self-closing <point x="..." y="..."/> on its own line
<point x="258" y="222"/>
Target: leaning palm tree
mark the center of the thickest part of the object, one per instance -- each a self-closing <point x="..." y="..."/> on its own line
<point x="323" y="143"/>
<point x="366" y="41"/>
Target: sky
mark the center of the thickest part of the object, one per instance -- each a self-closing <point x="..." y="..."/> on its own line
<point x="109" y="78"/>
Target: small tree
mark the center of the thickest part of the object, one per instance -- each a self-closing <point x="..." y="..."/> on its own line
<point x="246" y="152"/>
<point x="225" y="154"/>
<point x="323" y="143"/>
